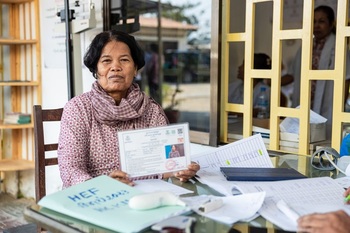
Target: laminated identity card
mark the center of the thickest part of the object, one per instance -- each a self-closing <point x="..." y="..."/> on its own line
<point x="155" y="150"/>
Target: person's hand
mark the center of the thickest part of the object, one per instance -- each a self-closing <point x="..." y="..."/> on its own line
<point x="185" y="175"/>
<point x="122" y="177"/>
<point x="347" y="193"/>
<point x="333" y="222"/>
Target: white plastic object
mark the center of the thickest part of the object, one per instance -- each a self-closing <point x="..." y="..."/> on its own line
<point x="347" y="170"/>
<point x="290" y="213"/>
<point x="211" y="205"/>
<point x="343" y="162"/>
<point x="154" y="200"/>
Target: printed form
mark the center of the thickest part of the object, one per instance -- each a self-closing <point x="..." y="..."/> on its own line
<point x="247" y="152"/>
<point x="303" y="196"/>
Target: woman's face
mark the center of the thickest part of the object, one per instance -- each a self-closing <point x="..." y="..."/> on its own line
<point x="116" y="69"/>
<point x="322" y="26"/>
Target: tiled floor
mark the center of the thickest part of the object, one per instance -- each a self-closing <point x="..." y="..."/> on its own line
<point x="11" y="211"/>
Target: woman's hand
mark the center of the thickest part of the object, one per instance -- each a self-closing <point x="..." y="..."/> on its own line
<point x="122" y="177"/>
<point x="185" y="175"/>
<point x="333" y="222"/>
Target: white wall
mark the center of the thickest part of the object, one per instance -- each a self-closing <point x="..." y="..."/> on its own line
<point x="54" y="80"/>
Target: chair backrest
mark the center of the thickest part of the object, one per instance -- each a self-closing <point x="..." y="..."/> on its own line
<point x="40" y="116"/>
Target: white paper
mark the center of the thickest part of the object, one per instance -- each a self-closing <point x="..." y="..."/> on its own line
<point x="217" y="181"/>
<point x="287" y="210"/>
<point x="147" y="151"/>
<point x="234" y="209"/>
<point x="304" y="196"/>
<point x="199" y="149"/>
<point x="247" y="152"/>
<point x="155" y="185"/>
<point x="344" y="181"/>
<point x="291" y="124"/>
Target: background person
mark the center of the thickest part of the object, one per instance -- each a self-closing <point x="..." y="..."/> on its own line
<point x="88" y="141"/>
<point x="236" y="88"/>
<point x="322" y="59"/>
<point x="152" y="72"/>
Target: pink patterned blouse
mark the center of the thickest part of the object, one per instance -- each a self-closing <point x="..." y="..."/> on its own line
<point x="88" y="141"/>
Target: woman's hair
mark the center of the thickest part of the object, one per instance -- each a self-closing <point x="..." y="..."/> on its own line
<point x="329" y="12"/>
<point x="93" y="53"/>
<point x="262" y="61"/>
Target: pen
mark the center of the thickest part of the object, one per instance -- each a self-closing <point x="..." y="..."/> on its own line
<point x="347" y="198"/>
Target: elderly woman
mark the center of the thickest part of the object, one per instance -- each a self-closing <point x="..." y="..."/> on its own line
<point x="88" y="141"/>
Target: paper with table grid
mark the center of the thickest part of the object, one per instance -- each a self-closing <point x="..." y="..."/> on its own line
<point x="321" y="194"/>
<point x="248" y="152"/>
<point x="304" y="196"/>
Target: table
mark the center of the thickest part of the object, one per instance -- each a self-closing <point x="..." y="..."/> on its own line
<point x="55" y="222"/>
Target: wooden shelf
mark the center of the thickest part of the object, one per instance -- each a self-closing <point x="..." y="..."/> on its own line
<point x="16" y="165"/>
<point x="7" y="41"/>
<point x="14" y="1"/>
<point x="19" y="83"/>
<point x="15" y="126"/>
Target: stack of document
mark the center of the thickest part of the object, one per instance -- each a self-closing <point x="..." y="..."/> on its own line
<point x="303" y="196"/>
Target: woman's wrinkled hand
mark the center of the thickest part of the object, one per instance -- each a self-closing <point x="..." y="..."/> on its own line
<point x="332" y="222"/>
<point x="191" y="171"/>
<point x="122" y="177"/>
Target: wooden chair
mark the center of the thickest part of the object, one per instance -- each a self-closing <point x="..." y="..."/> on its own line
<point x="41" y="116"/>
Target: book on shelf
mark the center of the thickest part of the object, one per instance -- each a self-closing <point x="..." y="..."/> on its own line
<point x="12" y="81"/>
<point x="17" y="118"/>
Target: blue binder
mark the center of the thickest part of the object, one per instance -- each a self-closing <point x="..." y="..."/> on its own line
<point x="260" y="173"/>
